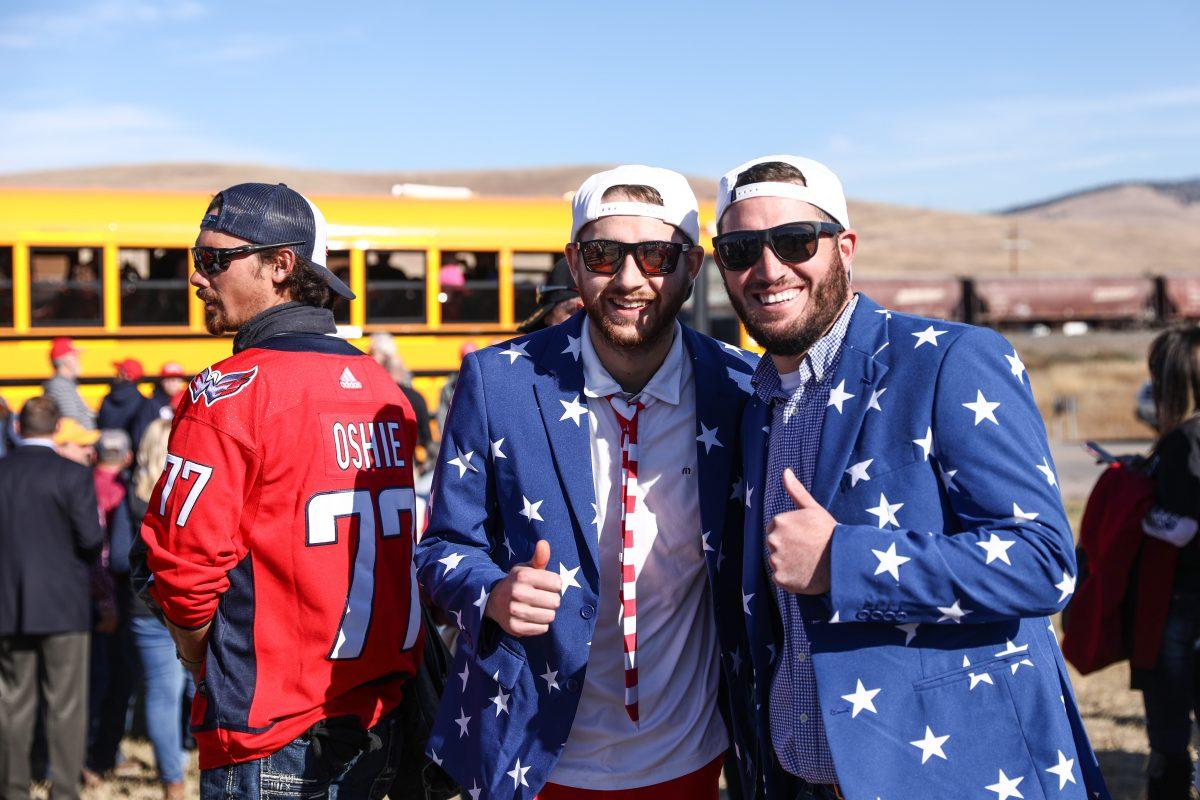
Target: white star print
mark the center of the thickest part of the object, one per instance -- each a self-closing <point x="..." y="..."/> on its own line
<point x="732" y="348"/>
<point x="735" y="659"/>
<point x="838" y="395"/>
<point x="458" y="620"/>
<point x="931" y="745"/>
<point x="451" y="561"/>
<point x="568" y="578"/>
<point x="997" y="548"/>
<point x="926" y="442"/>
<point x="948" y="478"/>
<point x="1046" y="470"/>
<point x="1006" y="787"/>
<point x="886" y="511"/>
<point x="433" y="756"/>
<point x="481" y="603"/>
<point x="1011" y="649"/>
<point x="474" y="790"/>
<point x="550" y="676"/>
<point x="708" y="437"/>
<point x="496" y="451"/>
<point x="886" y="313"/>
<point x="889" y="562"/>
<point x="982" y="408"/>
<point x="530" y="511"/>
<point x="953" y="611"/>
<point x="837" y="617"/>
<point x="508" y="546"/>
<point x="1019" y="514"/>
<point x="858" y="472"/>
<point x="749" y="495"/>
<point x="466" y="673"/>
<point x="874" y="401"/>
<point x="1015" y="365"/>
<point x="738" y="490"/>
<point x="1066" y="586"/>
<point x="463" y="462"/>
<point x="746" y="598"/>
<point x="704" y="541"/>
<point x="461" y="722"/>
<point x="910" y="631"/>
<point x="514" y="352"/>
<point x="573" y="347"/>
<point x="985" y="677"/>
<point x="927" y="336"/>
<point x="517" y="773"/>
<point x="862" y="698"/>
<point x="1063" y="769"/>
<point x="573" y="410"/>
<point x="501" y="700"/>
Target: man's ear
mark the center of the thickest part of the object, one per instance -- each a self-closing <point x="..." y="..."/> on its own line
<point x="574" y="262"/>
<point x="695" y="261"/>
<point x="282" y="263"/>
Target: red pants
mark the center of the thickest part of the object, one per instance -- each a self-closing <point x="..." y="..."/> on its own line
<point x="703" y="784"/>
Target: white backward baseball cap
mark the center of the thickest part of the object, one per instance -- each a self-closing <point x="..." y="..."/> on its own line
<point x="679" y="206"/>
<point x="823" y="189"/>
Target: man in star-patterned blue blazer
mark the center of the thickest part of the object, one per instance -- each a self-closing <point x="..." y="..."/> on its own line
<point x="905" y="542"/>
<point x="516" y="469"/>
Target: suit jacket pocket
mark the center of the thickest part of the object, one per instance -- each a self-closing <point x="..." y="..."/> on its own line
<point x="965" y="673"/>
<point x="505" y="662"/>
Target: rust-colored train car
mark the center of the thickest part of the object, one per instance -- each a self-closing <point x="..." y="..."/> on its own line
<point x="1181" y="297"/>
<point x="939" y="297"/>
<point x="1054" y="299"/>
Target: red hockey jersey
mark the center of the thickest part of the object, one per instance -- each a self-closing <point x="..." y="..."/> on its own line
<point x="285" y="517"/>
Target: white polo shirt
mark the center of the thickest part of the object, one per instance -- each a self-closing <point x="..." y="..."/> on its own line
<point x="678" y="670"/>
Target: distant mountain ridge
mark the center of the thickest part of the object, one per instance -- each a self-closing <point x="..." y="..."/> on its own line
<point x="1186" y="192"/>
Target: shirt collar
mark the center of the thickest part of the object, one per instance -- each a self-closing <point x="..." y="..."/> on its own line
<point x="816" y="363"/>
<point x="40" y="442"/>
<point x="665" y="385"/>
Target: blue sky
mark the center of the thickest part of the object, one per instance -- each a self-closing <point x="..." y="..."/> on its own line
<point x="959" y="105"/>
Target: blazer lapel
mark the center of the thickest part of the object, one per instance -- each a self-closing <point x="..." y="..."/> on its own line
<point x="564" y="413"/>
<point x="855" y="381"/>
<point x="754" y="468"/>
<point x="717" y="401"/>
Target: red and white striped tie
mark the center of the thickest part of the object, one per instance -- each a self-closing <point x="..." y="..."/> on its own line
<point x="630" y="498"/>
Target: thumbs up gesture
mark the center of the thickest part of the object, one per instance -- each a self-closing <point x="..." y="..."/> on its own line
<point x="523" y="603"/>
<point x="798" y="542"/>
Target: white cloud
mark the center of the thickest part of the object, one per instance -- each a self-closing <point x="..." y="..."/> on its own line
<point x="81" y="135"/>
<point x="34" y="30"/>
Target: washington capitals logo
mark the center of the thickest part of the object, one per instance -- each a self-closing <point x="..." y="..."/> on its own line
<point x="213" y="386"/>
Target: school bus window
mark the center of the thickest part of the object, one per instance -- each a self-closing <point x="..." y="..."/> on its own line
<point x="338" y="262"/>
<point x="530" y="270"/>
<point x="65" y="286"/>
<point x="395" y="286"/>
<point x="6" y="291"/>
<point x="470" y="287"/>
<point x="154" y="287"/>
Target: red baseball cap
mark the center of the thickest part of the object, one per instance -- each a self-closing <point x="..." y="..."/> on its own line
<point x="131" y="367"/>
<point x="61" y="347"/>
<point x="172" y="369"/>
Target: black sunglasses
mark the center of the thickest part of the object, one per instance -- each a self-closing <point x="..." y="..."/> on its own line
<point x="604" y="256"/>
<point x="211" y="260"/>
<point x="794" y="242"/>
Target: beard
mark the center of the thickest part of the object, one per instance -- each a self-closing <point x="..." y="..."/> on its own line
<point x="794" y="338"/>
<point x="216" y="321"/>
<point x="636" y="335"/>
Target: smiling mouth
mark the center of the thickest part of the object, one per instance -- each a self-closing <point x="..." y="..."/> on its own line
<point x="777" y="297"/>
<point x="629" y="305"/>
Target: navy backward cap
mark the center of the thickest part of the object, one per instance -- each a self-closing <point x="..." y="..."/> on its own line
<point x="266" y="213"/>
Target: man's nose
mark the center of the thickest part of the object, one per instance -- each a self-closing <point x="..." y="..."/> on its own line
<point x="628" y="275"/>
<point x="198" y="280"/>
<point x="769" y="268"/>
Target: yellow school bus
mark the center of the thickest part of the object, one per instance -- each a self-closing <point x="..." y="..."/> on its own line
<point x="109" y="269"/>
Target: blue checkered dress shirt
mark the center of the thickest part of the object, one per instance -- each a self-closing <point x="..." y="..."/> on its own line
<point x="797" y="731"/>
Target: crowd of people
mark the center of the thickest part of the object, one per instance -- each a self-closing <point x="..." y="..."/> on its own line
<point x="826" y="572"/>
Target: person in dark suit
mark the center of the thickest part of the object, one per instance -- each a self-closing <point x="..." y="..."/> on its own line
<point x="50" y="535"/>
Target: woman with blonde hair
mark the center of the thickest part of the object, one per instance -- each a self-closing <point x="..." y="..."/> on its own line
<point x="163" y="674"/>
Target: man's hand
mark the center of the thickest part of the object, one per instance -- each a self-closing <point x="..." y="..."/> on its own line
<point x="798" y="542"/>
<point x="523" y="603"/>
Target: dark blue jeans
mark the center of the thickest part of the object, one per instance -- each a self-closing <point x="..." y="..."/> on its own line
<point x="294" y="771"/>
<point x="1171" y="694"/>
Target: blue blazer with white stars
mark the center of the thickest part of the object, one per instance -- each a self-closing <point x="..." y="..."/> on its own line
<point x="515" y="467"/>
<point x="938" y="671"/>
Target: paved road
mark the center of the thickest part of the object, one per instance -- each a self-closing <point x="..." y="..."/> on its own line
<point x="1077" y="471"/>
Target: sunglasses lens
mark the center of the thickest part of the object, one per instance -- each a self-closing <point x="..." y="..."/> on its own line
<point x="203" y="259"/>
<point x="657" y="258"/>
<point x="794" y="243"/>
<point x="600" y="255"/>
<point x="738" y="251"/>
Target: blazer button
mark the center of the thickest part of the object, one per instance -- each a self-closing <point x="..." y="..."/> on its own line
<point x="862" y="615"/>
<point x="901" y="615"/>
<point x="877" y="615"/>
<point x="572" y="685"/>
<point x="587" y="612"/>
<point x="889" y="616"/>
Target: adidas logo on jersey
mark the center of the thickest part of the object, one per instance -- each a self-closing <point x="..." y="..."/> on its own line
<point x="348" y="380"/>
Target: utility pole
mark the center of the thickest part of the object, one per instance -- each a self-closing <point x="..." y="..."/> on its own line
<point x="1014" y="244"/>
